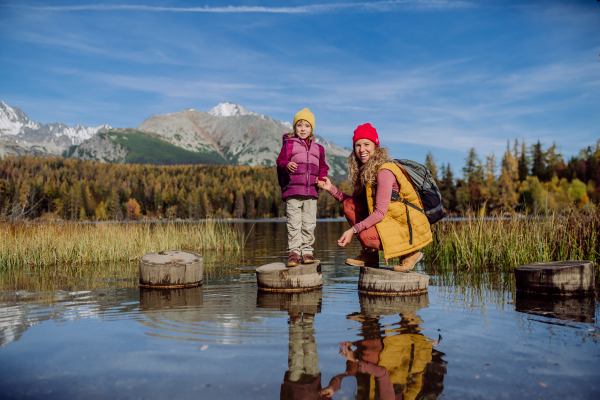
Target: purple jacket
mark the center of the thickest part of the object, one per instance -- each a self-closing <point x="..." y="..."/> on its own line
<point x="311" y="164"/>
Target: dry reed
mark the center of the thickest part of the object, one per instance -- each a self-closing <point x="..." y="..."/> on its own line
<point x="478" y="244"/>
<point x="39" y="245"/>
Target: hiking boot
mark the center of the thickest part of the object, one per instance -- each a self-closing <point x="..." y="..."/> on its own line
<point x="409" y="261"/>
<point x="366" y="258"/>
<point x="294" y="260"/>
<point x="308" y="259"/>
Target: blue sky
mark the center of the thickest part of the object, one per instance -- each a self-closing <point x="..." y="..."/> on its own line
<point x="435" y="75"/>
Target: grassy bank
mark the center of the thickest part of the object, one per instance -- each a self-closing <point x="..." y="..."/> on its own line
<point x="42" y="245"/>
<point x="476" y="244"/>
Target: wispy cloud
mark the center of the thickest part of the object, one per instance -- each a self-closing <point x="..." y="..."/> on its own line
<point x="377" y="6"/>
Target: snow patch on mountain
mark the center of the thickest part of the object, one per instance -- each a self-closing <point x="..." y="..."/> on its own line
<point x="15" y="125"/>
<point x="12" y="120"/>
<point x="236" y="110"/>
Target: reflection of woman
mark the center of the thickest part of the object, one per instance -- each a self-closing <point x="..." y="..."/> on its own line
<point x="379" y="220"/>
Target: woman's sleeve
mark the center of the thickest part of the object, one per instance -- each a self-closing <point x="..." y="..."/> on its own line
<point x="385" y="179"/>
<point x="338" y="194"/>
<point x="386" y="389"/>
<point x="323" y="167"/>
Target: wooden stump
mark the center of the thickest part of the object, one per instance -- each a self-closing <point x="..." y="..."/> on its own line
<point x="171" y="269"/>
<point x="557" y="278"/>
<point x="378" y="281"/>
<point x="303" y="302"/>
<point x="376" y="306"/>
<point x="162" y="299"/>
<point x="276" y="277"/>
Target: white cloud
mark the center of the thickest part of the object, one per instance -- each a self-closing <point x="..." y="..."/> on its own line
<point x="377" y="6"/>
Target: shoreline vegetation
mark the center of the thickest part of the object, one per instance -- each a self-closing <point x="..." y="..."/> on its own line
<point x="486" y="244"/>
<point x="34" y="246"/>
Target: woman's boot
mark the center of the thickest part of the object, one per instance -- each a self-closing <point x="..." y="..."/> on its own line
<point x="366" y="258"/>
<point x="409" y="261"/>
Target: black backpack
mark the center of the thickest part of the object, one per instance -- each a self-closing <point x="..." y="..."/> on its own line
<point x="427" y="190"/>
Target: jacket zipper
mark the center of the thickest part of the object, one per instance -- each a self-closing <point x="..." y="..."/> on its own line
<point x="307" y="167"/>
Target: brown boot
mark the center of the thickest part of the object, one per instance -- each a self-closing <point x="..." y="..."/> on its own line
<point x="409" y="261"/>
<point x="308" y="259"/>
<point x="294" y="260"/>
<point x="366" y="258"/>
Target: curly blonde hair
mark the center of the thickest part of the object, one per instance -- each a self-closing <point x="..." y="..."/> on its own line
<point x="293" y="133"/>
<point x="361" y="175"/>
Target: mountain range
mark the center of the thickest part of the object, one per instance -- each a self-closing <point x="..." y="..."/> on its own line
<point x="227" y="134"/>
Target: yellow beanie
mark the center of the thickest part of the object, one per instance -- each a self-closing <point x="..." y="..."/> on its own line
<point x="305" y="115"/>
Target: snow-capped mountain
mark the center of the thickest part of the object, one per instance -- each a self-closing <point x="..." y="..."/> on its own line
<point x="16" y="127"/>
<point x="228" y="132"/>
<point x="234" y="110"/>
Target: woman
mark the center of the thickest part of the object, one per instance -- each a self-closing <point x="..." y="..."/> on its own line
<point x="380" y="221"/>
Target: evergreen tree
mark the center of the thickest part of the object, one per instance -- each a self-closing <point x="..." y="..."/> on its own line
<point x="473" y="171"/>
<point x="553" y="159"/>
<point x="431" y="166"/>
<point x="538" y="161"/>
<point x="523" y="162"/>
<point x="448" y="189"/>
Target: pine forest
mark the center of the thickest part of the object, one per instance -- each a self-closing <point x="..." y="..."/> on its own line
<point x="527" y="179"/>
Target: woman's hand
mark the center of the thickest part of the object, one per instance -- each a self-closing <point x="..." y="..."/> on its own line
<point x="347" y="352"/>
<point x="346" y="237"/>
<point x="327" y="392"/>
<point x="323" y="184"/>
<point x="292" y="166"/>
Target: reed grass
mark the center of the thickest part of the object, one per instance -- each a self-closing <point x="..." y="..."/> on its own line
<point x="481" y="244"/>
<point x="41" y="245"/>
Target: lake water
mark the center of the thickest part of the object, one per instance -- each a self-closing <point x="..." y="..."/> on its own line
<point x="102" y="337"/>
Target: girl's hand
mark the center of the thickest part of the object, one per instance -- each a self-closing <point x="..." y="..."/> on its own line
<point x="327" y="392"/>
<point x="292" y="166"/>
<point x="346" y="237"/>
<point x="347" y="352"/>
<point x="326" y="184"/>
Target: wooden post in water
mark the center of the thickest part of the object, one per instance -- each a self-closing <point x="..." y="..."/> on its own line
<point x="556" y="278"/>
<point x="386" y="282"/>
<point x="276" y="277"/>
<point x="171" y="269"/>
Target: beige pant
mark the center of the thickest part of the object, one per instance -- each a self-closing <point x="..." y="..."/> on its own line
<point x="302" y="356"/>
<point x="301" y="213"/>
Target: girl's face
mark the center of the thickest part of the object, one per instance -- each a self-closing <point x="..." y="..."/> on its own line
<point x="364" y="149"/>
<point x="303" y="129"/>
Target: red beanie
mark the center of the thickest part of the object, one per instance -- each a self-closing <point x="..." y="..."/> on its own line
<point x="366" y="131"/>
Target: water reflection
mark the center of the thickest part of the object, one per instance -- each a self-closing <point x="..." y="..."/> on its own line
<point x="564" y="308"/>
<point x="302" y="380"/>
<point x="391" y="361"/>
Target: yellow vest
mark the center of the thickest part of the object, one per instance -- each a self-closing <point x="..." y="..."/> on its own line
<point x="394" y="230"/>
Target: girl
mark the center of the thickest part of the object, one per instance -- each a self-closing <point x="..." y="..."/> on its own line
<point x="301" y="163"/>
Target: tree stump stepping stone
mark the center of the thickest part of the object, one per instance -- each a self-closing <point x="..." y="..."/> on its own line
<point x="171" y="269"/>
<point x="294" y="302"/>
<point x="377" y="306"/>
<point x="556" y="278"/>
<point x="386" y="282"/>
<point x="277" y="277"/>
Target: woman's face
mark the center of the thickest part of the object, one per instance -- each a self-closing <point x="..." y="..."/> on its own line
<point x="364" y="149"/>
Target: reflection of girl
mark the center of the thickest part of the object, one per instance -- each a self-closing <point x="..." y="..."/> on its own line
<point x="379" y="220"/>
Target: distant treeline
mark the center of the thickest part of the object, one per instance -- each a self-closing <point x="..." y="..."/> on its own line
<point x="71" y="189"/>
<point x="530" y="179"/>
